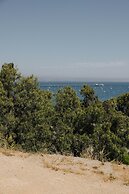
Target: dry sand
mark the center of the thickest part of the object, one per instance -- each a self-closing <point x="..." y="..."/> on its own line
<point x="22" y="173"/>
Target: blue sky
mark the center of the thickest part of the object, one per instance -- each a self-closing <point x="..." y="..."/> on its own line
<point x="66" y="39"/>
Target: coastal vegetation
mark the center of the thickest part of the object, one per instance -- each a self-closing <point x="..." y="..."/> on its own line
<point x="36" y="120"/>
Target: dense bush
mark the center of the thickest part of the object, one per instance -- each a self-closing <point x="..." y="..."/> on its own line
<point x="35" y="120"/>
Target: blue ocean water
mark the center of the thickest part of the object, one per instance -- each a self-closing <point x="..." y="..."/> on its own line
<point x="104" y="90"/>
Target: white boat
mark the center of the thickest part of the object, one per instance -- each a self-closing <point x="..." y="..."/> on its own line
<point x="99" y="84"/>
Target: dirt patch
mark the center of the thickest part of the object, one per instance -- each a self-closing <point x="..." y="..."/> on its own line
<point x="23" y="173"/>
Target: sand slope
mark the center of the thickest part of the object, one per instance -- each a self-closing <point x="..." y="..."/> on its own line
<point x="22" y="173"/>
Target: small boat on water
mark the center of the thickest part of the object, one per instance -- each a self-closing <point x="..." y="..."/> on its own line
<point x="99" y="85"/>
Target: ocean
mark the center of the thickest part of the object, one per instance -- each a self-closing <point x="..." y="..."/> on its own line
<point x="104" y="90"/>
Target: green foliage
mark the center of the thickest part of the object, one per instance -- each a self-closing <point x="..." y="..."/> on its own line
<point x="66" y="100"/>
<point x="25" y="109"/>
<point x="123" y="103"/>
<point x="35" y="120"/>
<point x="110" y="105"/>
<point x="88" y="118"/>
<point x="89" y="96"/>
<point x="61" y="138"/>
<point x="125" y="158"/>
<point x="66" y="105"/>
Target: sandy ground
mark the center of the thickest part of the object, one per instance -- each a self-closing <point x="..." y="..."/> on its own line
<point x="22" y="173"/>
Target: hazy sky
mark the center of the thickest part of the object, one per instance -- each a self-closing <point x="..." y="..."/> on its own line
<point x="66" y="39"/>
